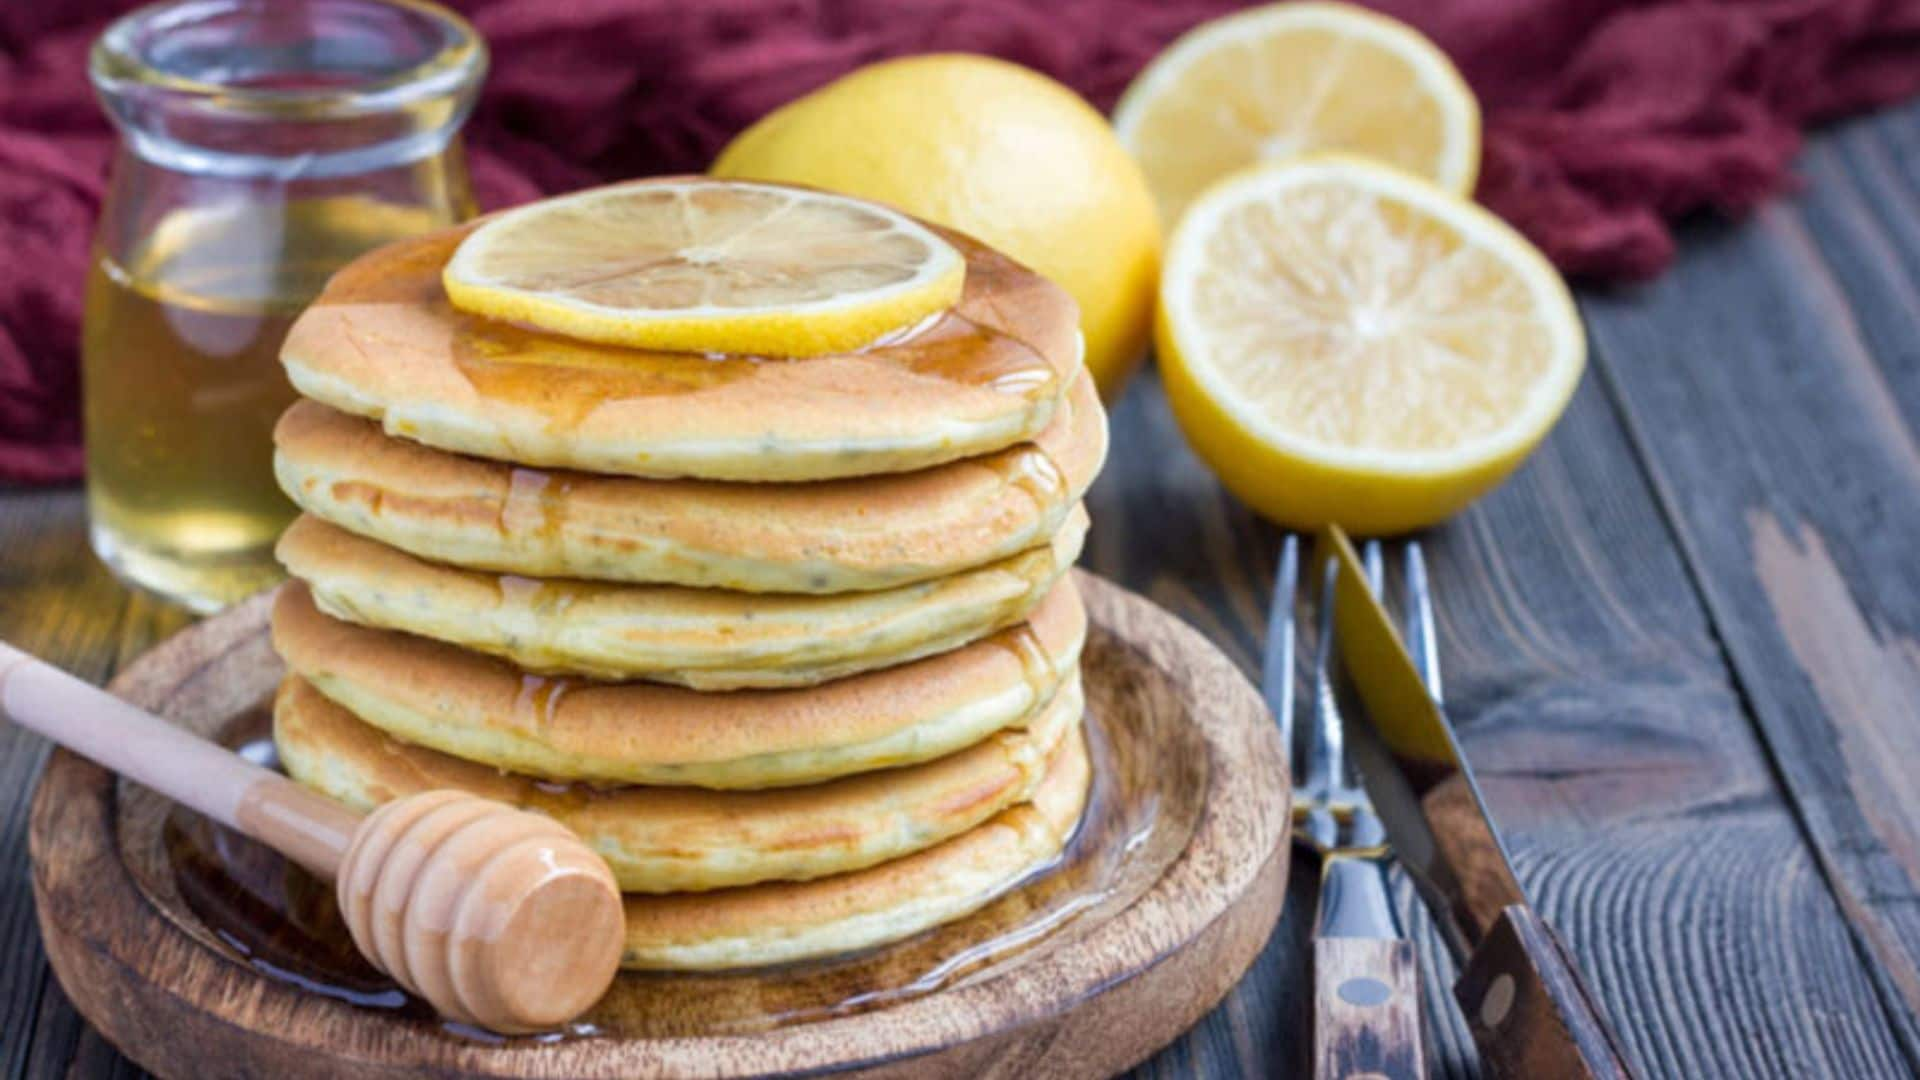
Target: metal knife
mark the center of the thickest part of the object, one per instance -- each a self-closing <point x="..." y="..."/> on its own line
<point x="1530" y="1011"/>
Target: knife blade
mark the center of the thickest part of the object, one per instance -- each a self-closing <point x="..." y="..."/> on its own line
<point x="1530" y="1011"/>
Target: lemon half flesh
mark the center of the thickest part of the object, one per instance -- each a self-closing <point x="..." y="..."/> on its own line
<point x="707" y="266"/>
<point x="1344" y="342"/>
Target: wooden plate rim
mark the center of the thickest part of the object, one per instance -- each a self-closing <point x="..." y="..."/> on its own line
<point x="95" y="900"/>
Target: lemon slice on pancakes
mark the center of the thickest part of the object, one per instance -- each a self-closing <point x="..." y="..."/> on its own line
<point x="707" y="266"/>
<point x="1345" y="342"/>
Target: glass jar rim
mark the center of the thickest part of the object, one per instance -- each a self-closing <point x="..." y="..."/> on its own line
<point x="121" y="61"/>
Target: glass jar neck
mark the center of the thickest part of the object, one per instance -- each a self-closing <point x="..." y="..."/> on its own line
<point x="287" y="90"/>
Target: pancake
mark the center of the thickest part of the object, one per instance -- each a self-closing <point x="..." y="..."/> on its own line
<point x="828" y="537"/>
<point x="482" y="709"/>
<point x="709" y="639"/>
<point x="686" y="839"/>
<point x="759" y="925"/>
<point x="382" y="341"/>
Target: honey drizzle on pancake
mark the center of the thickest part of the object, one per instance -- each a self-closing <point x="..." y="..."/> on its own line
<point x="535" y="505"/>
<point x="1034" y="472"/>
<point x="564" y="380"/>
<point x="1036" y="664"/>
<point x="963" y="350"/>
<point x="538" y="700"/>
<point x="507" y="363"/>
<point x="534" y="595"/>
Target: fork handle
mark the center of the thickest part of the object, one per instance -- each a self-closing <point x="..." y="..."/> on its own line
<point x="1366" y="1010"/>
<point x="1366" y="994"/>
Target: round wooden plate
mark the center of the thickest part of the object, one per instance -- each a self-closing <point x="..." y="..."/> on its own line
<point x="1169" y="891"/>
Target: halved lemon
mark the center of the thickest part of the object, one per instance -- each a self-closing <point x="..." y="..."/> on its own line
<point x="1274" y="82"/>
<point x="707" y="266"/>
<point x="1344" y="342"/>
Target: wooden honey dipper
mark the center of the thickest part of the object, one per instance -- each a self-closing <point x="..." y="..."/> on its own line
<point x="497" y="916"/>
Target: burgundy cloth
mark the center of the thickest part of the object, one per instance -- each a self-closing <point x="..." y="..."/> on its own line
<point x="1605" y="119"/>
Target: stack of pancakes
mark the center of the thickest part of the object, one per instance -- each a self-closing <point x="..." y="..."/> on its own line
<point x="791" y="643"/>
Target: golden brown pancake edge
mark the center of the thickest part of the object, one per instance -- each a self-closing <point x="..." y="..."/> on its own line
<point x="826" y="537"/>
<point x="483" y="709"/>
<point x="659" y="839"/>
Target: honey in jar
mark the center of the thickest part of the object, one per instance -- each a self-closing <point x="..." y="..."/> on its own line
<point x="263" y="146"/>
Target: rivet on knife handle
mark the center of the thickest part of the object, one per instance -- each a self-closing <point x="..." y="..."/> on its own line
<point x="1529" y="1011"/>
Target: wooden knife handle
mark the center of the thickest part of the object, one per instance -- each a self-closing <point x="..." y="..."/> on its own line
<point x="1366" y="1010"/>
<point x="1530" y="1012"/>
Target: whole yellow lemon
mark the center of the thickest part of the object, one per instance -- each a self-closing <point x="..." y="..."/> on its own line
<point x="996" y="151"/>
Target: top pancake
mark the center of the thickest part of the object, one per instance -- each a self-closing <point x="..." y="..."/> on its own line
<point x="382" y="341"/>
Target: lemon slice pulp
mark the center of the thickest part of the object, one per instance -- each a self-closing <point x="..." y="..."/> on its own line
<point x="707" y="266"/>
<point x="1344" y="342"/>
<point x="1275" y="82"/>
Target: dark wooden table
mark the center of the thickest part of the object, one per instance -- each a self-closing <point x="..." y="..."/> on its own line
<point x="1683" y="645"/>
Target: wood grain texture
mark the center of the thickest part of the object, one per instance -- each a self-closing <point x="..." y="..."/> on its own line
<point x="1097" y="994"/>
<point x="1790" y="471"/>
<point x="55" y="600"/>
<point x="1366" y="1010"/>
<point x="1609" y="737"/>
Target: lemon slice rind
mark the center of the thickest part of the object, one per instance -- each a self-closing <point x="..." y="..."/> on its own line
<point x="475" y="281"/>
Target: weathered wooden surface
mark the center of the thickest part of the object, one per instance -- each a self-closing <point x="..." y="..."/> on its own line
<point x="1681" y="644"/>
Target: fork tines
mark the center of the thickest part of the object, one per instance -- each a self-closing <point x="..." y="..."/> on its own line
<point x="1322" y="778"/>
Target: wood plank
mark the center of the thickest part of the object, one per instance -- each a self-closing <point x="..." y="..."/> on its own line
<point x="1605" y="732"/>
<point x="1772" y="382"/>
<point x="58" y="602"/>
<point x="1595" y="702"/>
<point x="57" y="1036"/>
<point x="1148" y="507"/>
<point x="36" y="532"/>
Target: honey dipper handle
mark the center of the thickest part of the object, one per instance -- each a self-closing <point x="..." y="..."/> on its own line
<point x="310" y="829"/>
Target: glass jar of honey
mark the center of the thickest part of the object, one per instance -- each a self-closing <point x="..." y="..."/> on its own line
<point x="263" y="144"/>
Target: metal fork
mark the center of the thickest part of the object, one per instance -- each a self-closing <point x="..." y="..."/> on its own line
<point x="1366" y="989"/>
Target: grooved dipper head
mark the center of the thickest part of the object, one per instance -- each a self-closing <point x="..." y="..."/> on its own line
<point x="496" y="916"/>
